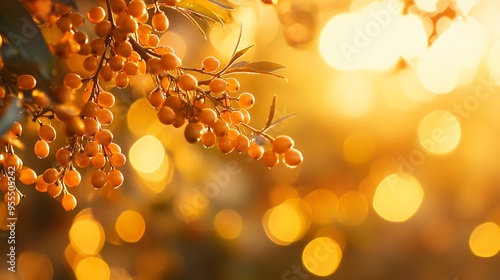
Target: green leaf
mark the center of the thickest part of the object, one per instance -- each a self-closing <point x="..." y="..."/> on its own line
<point x="8" y="114"/>
<point x="222" y="3"/>
<point x="204" y="13"/>
<point x="265" y="66"/>
<point x="278" y="121"/>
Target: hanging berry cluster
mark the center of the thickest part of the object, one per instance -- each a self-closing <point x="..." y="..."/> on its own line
<point x="204" y="101"/>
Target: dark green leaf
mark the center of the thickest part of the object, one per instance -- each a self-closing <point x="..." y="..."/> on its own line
<point x="8" y="115"/>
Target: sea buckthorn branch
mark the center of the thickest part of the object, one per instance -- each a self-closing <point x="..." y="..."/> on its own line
<point x="204" y="101"/>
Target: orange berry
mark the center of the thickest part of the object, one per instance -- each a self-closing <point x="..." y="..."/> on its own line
<point x="233" y="84"/>
<point x="255" y="151"/>
<point x="90" y="127"/>
<point x="166" y="115"/>
<point x="72" y="178"/>
<point x="98" y="161"/>
<point x="104" y="116"/>
<point x="102" y="28"/>
<point x="160" y="22"/>
<point x="115" y="178"/>
<point x="246" y="100"/>
<point x="40" y="184"/>
<point x="96" y="14"/>
<point x="220" y="127"/>
<point x="207" y="116"/>
<point x="124" y="49"/>
<point x="270" y="159"/>
<point x="246" y="116"/>
<point x="153" y="66"/>
<point x="104" y="137"/>
<point x="106" y="99"/>
<point x="210" y="64"/>
<point x="118" y="159"/>
<point x="209" y="139"/>
<point x="27" y="176"/>
<point x="91" y="63"/>
<point x="118" y="6"/>
<point x="226" y="144"/>
<point x="89" y="109"/>
<point x="50" y="176"/>
<point x="91" y="149"/>
<point x="193" y="132"/>
<point x="13" y="162"/>
<point x="187" y="82"/>
<point x="26" y="82"/>
<point x="63" y="156"/>
<point x="122" y="80"/>
<point x="98" y="179"/>
<point x="54" y="190"/>
<point x="218" y="85"/>
<point x="68" y="202"/>
<point x="130" y="68"/>
<point x="72" y="81"/>
<point x="236" y="117"/>
<point x="42" y="149"/>
<point x="156" y="97"/>
<point x="136" y="8"/>
<point x="15" y="130"/>
<point x="81" y="159"/>
<point x="293" y="158"/>
<point x="170" y="61"/>
<point x="282" y="143"/>
<point x="242" y="144"/>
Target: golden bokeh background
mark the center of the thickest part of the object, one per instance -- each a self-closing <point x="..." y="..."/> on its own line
<point x="397" y="108"/>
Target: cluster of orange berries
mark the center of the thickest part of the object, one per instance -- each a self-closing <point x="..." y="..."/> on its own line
<point x="127" y="44"/>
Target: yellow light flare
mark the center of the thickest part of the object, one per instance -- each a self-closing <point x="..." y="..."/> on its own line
<point x="454" y="56"/>
<point x="350" y="94"/>
<point x="176" y="41"/>
<point x="412" y="88"/>
<point x="140" y="117"/>
<point x="427" y="5"/>
<point x="87" y="236"/>
<point x="443" y="24"/>
<point x="186" y="159"/>
<point x="397" y="198"/>
<point x="282" y="192"/>
<point x="130" y="226"/>
<point x="34" y="265"/>
<point x="484" y="240"/>
<point x="352" y="208"/>
<point x="412" y="39"/>
<point x="358" y="148"/>
<point x="439" y="132"/>
<point x="147" y="154"/>
<point x="92" y="268"/>
<point x="287" y="222"/>
<point x="366" y="39"/>
<point x="493" y="61"/>
<point x="465" y="6"/>
<point x="159" y="179"/>
<point x="228" y="224"/>
<point x="322" y="256"/>
<point x="323" y="205"/>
